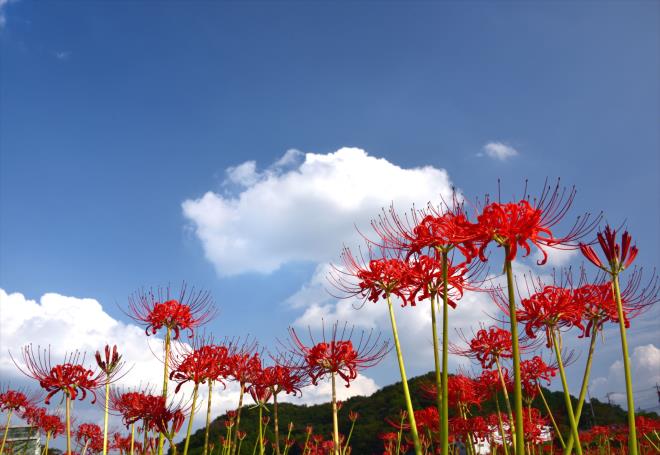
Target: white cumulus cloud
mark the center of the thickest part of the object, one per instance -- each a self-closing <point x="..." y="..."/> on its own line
<point x="303" y="209"/>
<point x="645" y="366"/>
<point x="499" y="151"/>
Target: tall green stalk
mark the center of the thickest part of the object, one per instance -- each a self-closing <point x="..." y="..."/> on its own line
<point x="517" y="388"/>
<point x="552" y="418"/>
<point x="335" y="419"/>
<point x="632" y="431"/>
<point x="444" y="415"/>
<point x="585" y="386"/>
<point x="105" y="416"/>
<point x="567" y="395"/>
<point x="4" y="438"/>
<point x="436" y="359"/>
<point x="234" y="443"/>
<point x="67" y="416"/>
<point x="208" y="419"/>
<point x="168" y="335"/>
<point x="507" y="401"/>
<point x="501" y="425"/>
<point x="45" y="451"/>
<point x="190" y="419"/>
<point x="261" y="434"/>
<point x="132" y="438"/>
<point x="404" y="381"/>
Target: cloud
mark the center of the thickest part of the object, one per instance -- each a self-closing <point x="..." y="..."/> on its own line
<point x="645" y="365"/>
<point x="303" y="209"/>
<point x="498" y="151"/>
<point x="62" y="55"/>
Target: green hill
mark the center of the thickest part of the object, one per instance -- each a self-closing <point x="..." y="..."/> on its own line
<point x="385" y="403"/>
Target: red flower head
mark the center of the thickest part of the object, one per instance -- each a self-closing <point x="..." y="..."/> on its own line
<point x="261" y="384"/>
<point x="534" y="425"/>
<point x="90" y="435"/>
<point x="201" y="362"/>
<point x="425" y="279"/>
<point x="489" y="383"/>
<point x="618" y="257"/>
<point x="111" y="364"/>
<point x="489" y="346"/>
<point x="435" y="229"/>
<point x="50" y="423"/>
<point x="600" y="305"/>
<point x="338" y="355"/>
<point x="373" y="279"/>
<point x="158" y="309"/>
<point x="532" y="372"/>
<point x="165" y="419"/>
<point x="242" y="362"/>
<point x="530" y="222"/>
<point x="550" y="308"/>
<point x="134" y="405"/>
<point x="15" y="401"/>
<point x="69" y="377"/>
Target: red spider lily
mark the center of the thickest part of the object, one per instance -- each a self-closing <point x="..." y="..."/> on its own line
<point x="69" y="377"/>
<point x="427" y="419"/>
<point x="463" y="391"/>
<point x="619" y="257"/>
<point x="532" y="372"/>
<point x="15" y="401"/>
<point x="550" y="308"/>
<point x="111" y="363"/>
<point x="123" y="443"/>
<point x="433" y="229"/>
<point x="353" y="415"/>
<point x="50" y="423"/>
<point x="202" y="362"/>
<point x="379" y="277"/>
<point x="489" y="383"/>
<point x="425" y="279"/>
<point x="261" y="384"/>
<point x="158" y="309"/>
<point x="167" y="420"/>
<point x="535" y="426"/>
<point x="529" y="222"/>
<point x="283" y="378"/>
<point x="242" y="365"/>
<point x="338" y="355"/>
<point x="91" y="436"/>
<point x="134" y="405"/>
<point x="600" y="304"/>
<point x="487" y="346"/>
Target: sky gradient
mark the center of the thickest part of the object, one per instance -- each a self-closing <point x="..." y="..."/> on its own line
<point x="114" y="114"/>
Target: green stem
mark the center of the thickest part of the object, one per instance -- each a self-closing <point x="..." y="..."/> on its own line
<point x="567" y="396"/>
<point x="288" y="438"/>
<point x="132" y="438"/>
<point x="261" y="435"/>
<point x="190" y="419"/>
<point x="585" y="386"/>
<point x="404" y="381"/>
<point x="168" y="334"/>
<point x="507" y="401"/>
<point x="45" y="451"/>
<point x="444" y="405"/>
<point x="335" y="419"/>
<point x="234" y="443"/>
<point x="552" y="418"/>
<point x="208" y="419"/>
<point x="145" y="439"/>
<point x="277" y="425"/>
<point x="499" y="421"/>
<point x="4" y="438"/>
<point x="67" y="417"/>
<point x="348" y="440"/>
<point x="436" y="358"/>
<point x="84" y="450"/>
<point x="517" y="388"/>
<point x="105" y="416"/>
<point x="632" y="431"/>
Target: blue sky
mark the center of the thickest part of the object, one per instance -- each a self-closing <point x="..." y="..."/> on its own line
<point x="112" y="114"/>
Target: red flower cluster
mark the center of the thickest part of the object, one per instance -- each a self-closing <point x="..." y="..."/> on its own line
<point x="199" y="365"/>
<point x="532" y="372"/>
<point x="157" y="310"/>
<point x="488" y="346"/>
<point x="91" y="436"/>
<point x="70" y="377"/>
<point x="14" y="400"/>
<point x="338" y="355"/>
